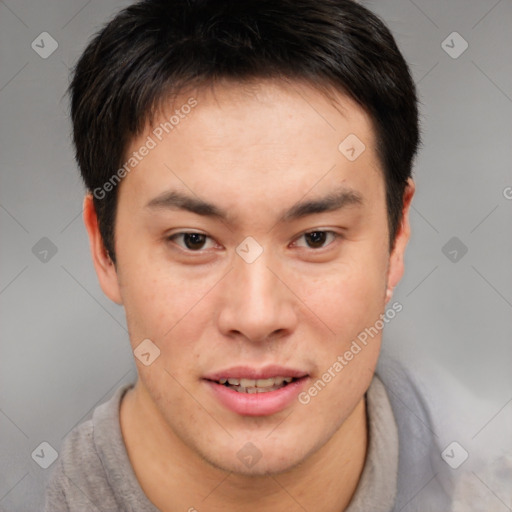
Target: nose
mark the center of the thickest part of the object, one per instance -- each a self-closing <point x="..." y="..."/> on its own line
<point x="257" y="305"/>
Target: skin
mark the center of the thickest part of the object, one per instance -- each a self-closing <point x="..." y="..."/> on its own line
<point x="254" y="152"/>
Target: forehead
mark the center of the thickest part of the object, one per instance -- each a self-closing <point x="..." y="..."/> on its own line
<point x="261" y="141"/>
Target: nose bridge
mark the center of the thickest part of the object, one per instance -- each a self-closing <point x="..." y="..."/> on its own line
<point x="257" y="281"/>
<point x="256" y="303"/>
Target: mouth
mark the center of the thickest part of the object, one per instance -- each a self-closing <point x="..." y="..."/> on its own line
<point x="251" y="392"/>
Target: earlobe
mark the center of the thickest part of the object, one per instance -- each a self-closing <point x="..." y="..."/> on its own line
<point x="105" y="268"/>
<point x="396" y="260"/>
<point x="389" y="293"/>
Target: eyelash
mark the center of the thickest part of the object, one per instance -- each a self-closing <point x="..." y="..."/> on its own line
<point x="334" y="234"/>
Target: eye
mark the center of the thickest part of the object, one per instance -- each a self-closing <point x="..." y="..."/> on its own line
<point x="192" y="241"/>
<point x="317" y="239"/>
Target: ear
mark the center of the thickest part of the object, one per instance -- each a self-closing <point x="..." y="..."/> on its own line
<point x="396" y="259"/>
<point x="105" y="268"/>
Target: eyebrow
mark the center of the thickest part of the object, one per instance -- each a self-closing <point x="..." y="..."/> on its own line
<point x="336" y="200"/>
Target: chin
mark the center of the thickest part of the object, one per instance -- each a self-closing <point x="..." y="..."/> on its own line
<point x="258" y="457"/>
<point x="263" y="468"/>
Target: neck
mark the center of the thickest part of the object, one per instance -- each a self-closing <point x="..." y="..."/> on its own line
<point x="174" y="478"/>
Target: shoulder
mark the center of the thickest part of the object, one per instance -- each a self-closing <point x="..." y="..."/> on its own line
<point x="456" y="442"/>
<point x="423" y="483"/>
<point x="79" y="480"/>
<point x="78" y="472"/>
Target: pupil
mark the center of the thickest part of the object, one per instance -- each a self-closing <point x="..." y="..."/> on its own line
<point x="194" y="240"/>
<point x="316" y="238"/>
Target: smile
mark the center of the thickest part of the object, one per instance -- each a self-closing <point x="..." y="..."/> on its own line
<point x="256" y="392"/>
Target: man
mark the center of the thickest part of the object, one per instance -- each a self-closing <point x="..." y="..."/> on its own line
<point x="248" y="167"/>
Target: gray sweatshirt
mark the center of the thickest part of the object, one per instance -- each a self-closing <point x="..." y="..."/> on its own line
<point x="401" y="472"/>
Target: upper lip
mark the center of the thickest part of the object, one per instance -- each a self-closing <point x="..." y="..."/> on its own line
<point x="247" y="372"/>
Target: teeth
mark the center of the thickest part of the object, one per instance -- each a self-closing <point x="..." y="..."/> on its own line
<point x="254" y="389"/>
<point x="257" y="385"/>
<point x="265" y="383"/>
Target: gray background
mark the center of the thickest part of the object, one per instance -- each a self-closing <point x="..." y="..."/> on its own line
<point x="64" y="347"/>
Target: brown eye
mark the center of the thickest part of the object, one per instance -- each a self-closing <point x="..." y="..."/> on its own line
<point x="194" y="241"/>
<point x="191" y="241"/>
<point x="316" y="239"/>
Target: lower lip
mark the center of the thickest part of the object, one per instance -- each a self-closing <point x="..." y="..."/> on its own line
<point x="257" y="404"/>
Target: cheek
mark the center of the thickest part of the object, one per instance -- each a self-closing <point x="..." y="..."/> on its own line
<point x="159" y="301"/>
<point x="348" y="297"/>
<point x="349" y="302"/>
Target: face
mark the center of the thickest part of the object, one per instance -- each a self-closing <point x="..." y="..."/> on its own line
<point x="252" y="252"/>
